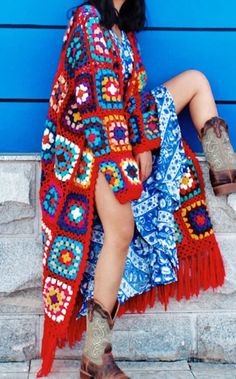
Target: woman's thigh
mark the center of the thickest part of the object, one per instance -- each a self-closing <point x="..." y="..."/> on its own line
<point x="117" y="219"/>
<point x="184" y="86"/>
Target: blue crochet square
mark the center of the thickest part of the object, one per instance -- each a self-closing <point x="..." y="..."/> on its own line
<point x="108" y="89"/>
<point x="65" y="257"/>
<point x="96" y="135"/>
<point x="74" y="215"/>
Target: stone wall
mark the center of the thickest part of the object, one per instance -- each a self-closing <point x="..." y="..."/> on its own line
<point x="203" y="328"/>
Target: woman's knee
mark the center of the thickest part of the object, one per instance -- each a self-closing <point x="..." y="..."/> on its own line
<point x="197" y="77"/>
<point x="120" y="235"/>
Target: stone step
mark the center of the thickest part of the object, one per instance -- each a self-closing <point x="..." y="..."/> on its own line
<point x="69" y="369"/>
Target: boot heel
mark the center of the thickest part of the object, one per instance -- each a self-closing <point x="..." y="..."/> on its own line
<point x="85" y="375"/>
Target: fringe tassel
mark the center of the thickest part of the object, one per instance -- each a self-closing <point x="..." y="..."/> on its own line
<point x="49" y="344"/>
<point x="76" y="329"/>
<point x="139" y="303"/>
<point x="203" y="270"/>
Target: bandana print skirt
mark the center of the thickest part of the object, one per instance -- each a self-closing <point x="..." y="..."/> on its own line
<point x="152" y="257"/>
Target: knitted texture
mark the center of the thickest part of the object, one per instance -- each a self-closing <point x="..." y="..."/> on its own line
<point x="92" y="125"/>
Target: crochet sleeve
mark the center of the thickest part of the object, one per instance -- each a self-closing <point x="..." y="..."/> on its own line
<point x="96" y="84"/>
<point x="141" y="109"/>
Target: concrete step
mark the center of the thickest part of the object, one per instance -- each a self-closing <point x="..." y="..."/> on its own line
<point x="69" y="369"/>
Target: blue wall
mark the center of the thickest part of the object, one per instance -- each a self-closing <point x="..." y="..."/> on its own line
<point x="181" y="34"/>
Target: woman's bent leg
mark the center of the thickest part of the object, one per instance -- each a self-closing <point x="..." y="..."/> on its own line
<point x="118" y="225"/>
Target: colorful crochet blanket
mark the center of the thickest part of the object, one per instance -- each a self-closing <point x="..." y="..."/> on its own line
<point x="92" y="125"/>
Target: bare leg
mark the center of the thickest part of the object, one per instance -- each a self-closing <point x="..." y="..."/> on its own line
<point x="118" y="224"/>
<point x="192" y="87"/>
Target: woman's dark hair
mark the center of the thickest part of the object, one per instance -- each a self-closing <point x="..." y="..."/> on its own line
<point x="131" y="16"/>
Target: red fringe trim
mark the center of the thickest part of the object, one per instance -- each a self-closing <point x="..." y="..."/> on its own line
<point x="195" y="272"/>
<point x="49" y="344"/>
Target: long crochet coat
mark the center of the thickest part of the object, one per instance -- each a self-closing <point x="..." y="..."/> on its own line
<point x="96" y="123"/>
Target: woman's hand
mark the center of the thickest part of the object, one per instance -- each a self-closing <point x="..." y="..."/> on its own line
<point x="144" y="161"/>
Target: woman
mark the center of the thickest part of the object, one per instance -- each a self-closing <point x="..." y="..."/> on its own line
<point x="120" y="192"/>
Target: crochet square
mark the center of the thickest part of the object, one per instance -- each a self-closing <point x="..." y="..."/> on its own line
<point x="189" y="185"/>
<point x="134" y="130"/>
<point x="76" y="52"/>
<point x="57" y="296"/>
<point x="112" y="174"/>
<point x="67" y="154"/>
<point x="151" y="125"/>
<point x="51" y="200"/>
<point x="108" y="89"/>
<point x="46" y="239"/>
<point x="71" y="118"/>
<point x="99" y="49"/>
<point x="96" y="135"/>
<point x="84" y="93"/>
<point x="130" y="170"/>
<point x="197" y="220"/>
<point x="65" y="257"/>
<point x="84" y="172"/>
<point x="59" y="93"/>
<point x="74" y="215"/>
<point x="48" y="141"/>
<point x="118" y="132"/>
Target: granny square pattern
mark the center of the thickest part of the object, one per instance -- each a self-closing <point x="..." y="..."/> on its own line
<point x="84" y="93"/>
<point x="71" y="118"/>
<point x="112" y="174"/>
<point x="67" y="154"/>
<point x="130" y="170"/>
<point x="108" y="91"/>
<point x="96" y="135"/>
<point x="76" y="52"/>
<point x="99" y="49"/>
<point x="57" y="296"/>
<point x="118" y="132"/>
<point x="197" y="220"/>
<point x="74" y="215"/>
<point x="65" y="257"/>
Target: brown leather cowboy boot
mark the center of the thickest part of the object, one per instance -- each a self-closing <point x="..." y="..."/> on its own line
<point x="97" y="361"/>
<point x="220" y="155"/>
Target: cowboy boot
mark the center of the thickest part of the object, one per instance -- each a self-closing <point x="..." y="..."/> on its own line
<point x="220" y="155"/>
<point x="97" y="361"/>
